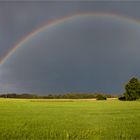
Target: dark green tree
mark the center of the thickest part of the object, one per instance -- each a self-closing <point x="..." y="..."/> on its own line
<point x="132" y="89"/>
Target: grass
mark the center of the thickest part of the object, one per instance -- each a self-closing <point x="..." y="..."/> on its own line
<point x="69" y="119"/>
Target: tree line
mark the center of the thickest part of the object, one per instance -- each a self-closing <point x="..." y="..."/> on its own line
<point x="59" y="96"/>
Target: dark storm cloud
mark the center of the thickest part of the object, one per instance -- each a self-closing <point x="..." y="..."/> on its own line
<point x="88" y="54"/>
<point x="19" y="18"/>
<point x="100" y="66"/>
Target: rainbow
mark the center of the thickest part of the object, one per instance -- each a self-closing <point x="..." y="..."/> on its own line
<point x="59" y="21"/>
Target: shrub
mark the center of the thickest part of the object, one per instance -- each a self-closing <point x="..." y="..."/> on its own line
<point x="100" y="97"/>
<point x="122" y="98"/>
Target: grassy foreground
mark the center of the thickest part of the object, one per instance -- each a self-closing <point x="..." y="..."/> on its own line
<point x="69" y="119"/>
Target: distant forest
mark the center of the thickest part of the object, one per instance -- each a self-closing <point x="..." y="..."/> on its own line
<point x="55" y="96"/>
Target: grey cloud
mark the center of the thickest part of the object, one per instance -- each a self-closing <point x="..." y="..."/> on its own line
<point x="86" y="54"/>
<point x="18" y="18"/>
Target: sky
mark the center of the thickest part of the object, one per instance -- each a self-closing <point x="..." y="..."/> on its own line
<point x="83" y="54"/>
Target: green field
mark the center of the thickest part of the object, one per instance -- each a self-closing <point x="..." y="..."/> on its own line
<point x="69" y="119"/>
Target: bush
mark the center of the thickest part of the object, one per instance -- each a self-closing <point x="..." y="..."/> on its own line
<point x="122" y="98"/>
<point x="100" y="97"/>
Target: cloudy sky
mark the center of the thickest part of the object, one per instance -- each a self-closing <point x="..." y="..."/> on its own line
<point x="84" y="54"/>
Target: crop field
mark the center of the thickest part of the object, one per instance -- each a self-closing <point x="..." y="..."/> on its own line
<point x="38" y="119"/>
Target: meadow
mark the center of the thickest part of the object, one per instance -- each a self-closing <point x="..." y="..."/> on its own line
<point x="39" y="119"/>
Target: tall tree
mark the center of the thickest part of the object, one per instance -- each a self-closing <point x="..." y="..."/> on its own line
<point x="132" y="89"/>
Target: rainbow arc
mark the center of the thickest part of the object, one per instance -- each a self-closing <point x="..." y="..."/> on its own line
<point x="59" y="21"/>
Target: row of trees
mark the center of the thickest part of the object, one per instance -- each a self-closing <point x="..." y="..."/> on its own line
<point x="60" y="96"/>
<point x="132" y="90"/>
